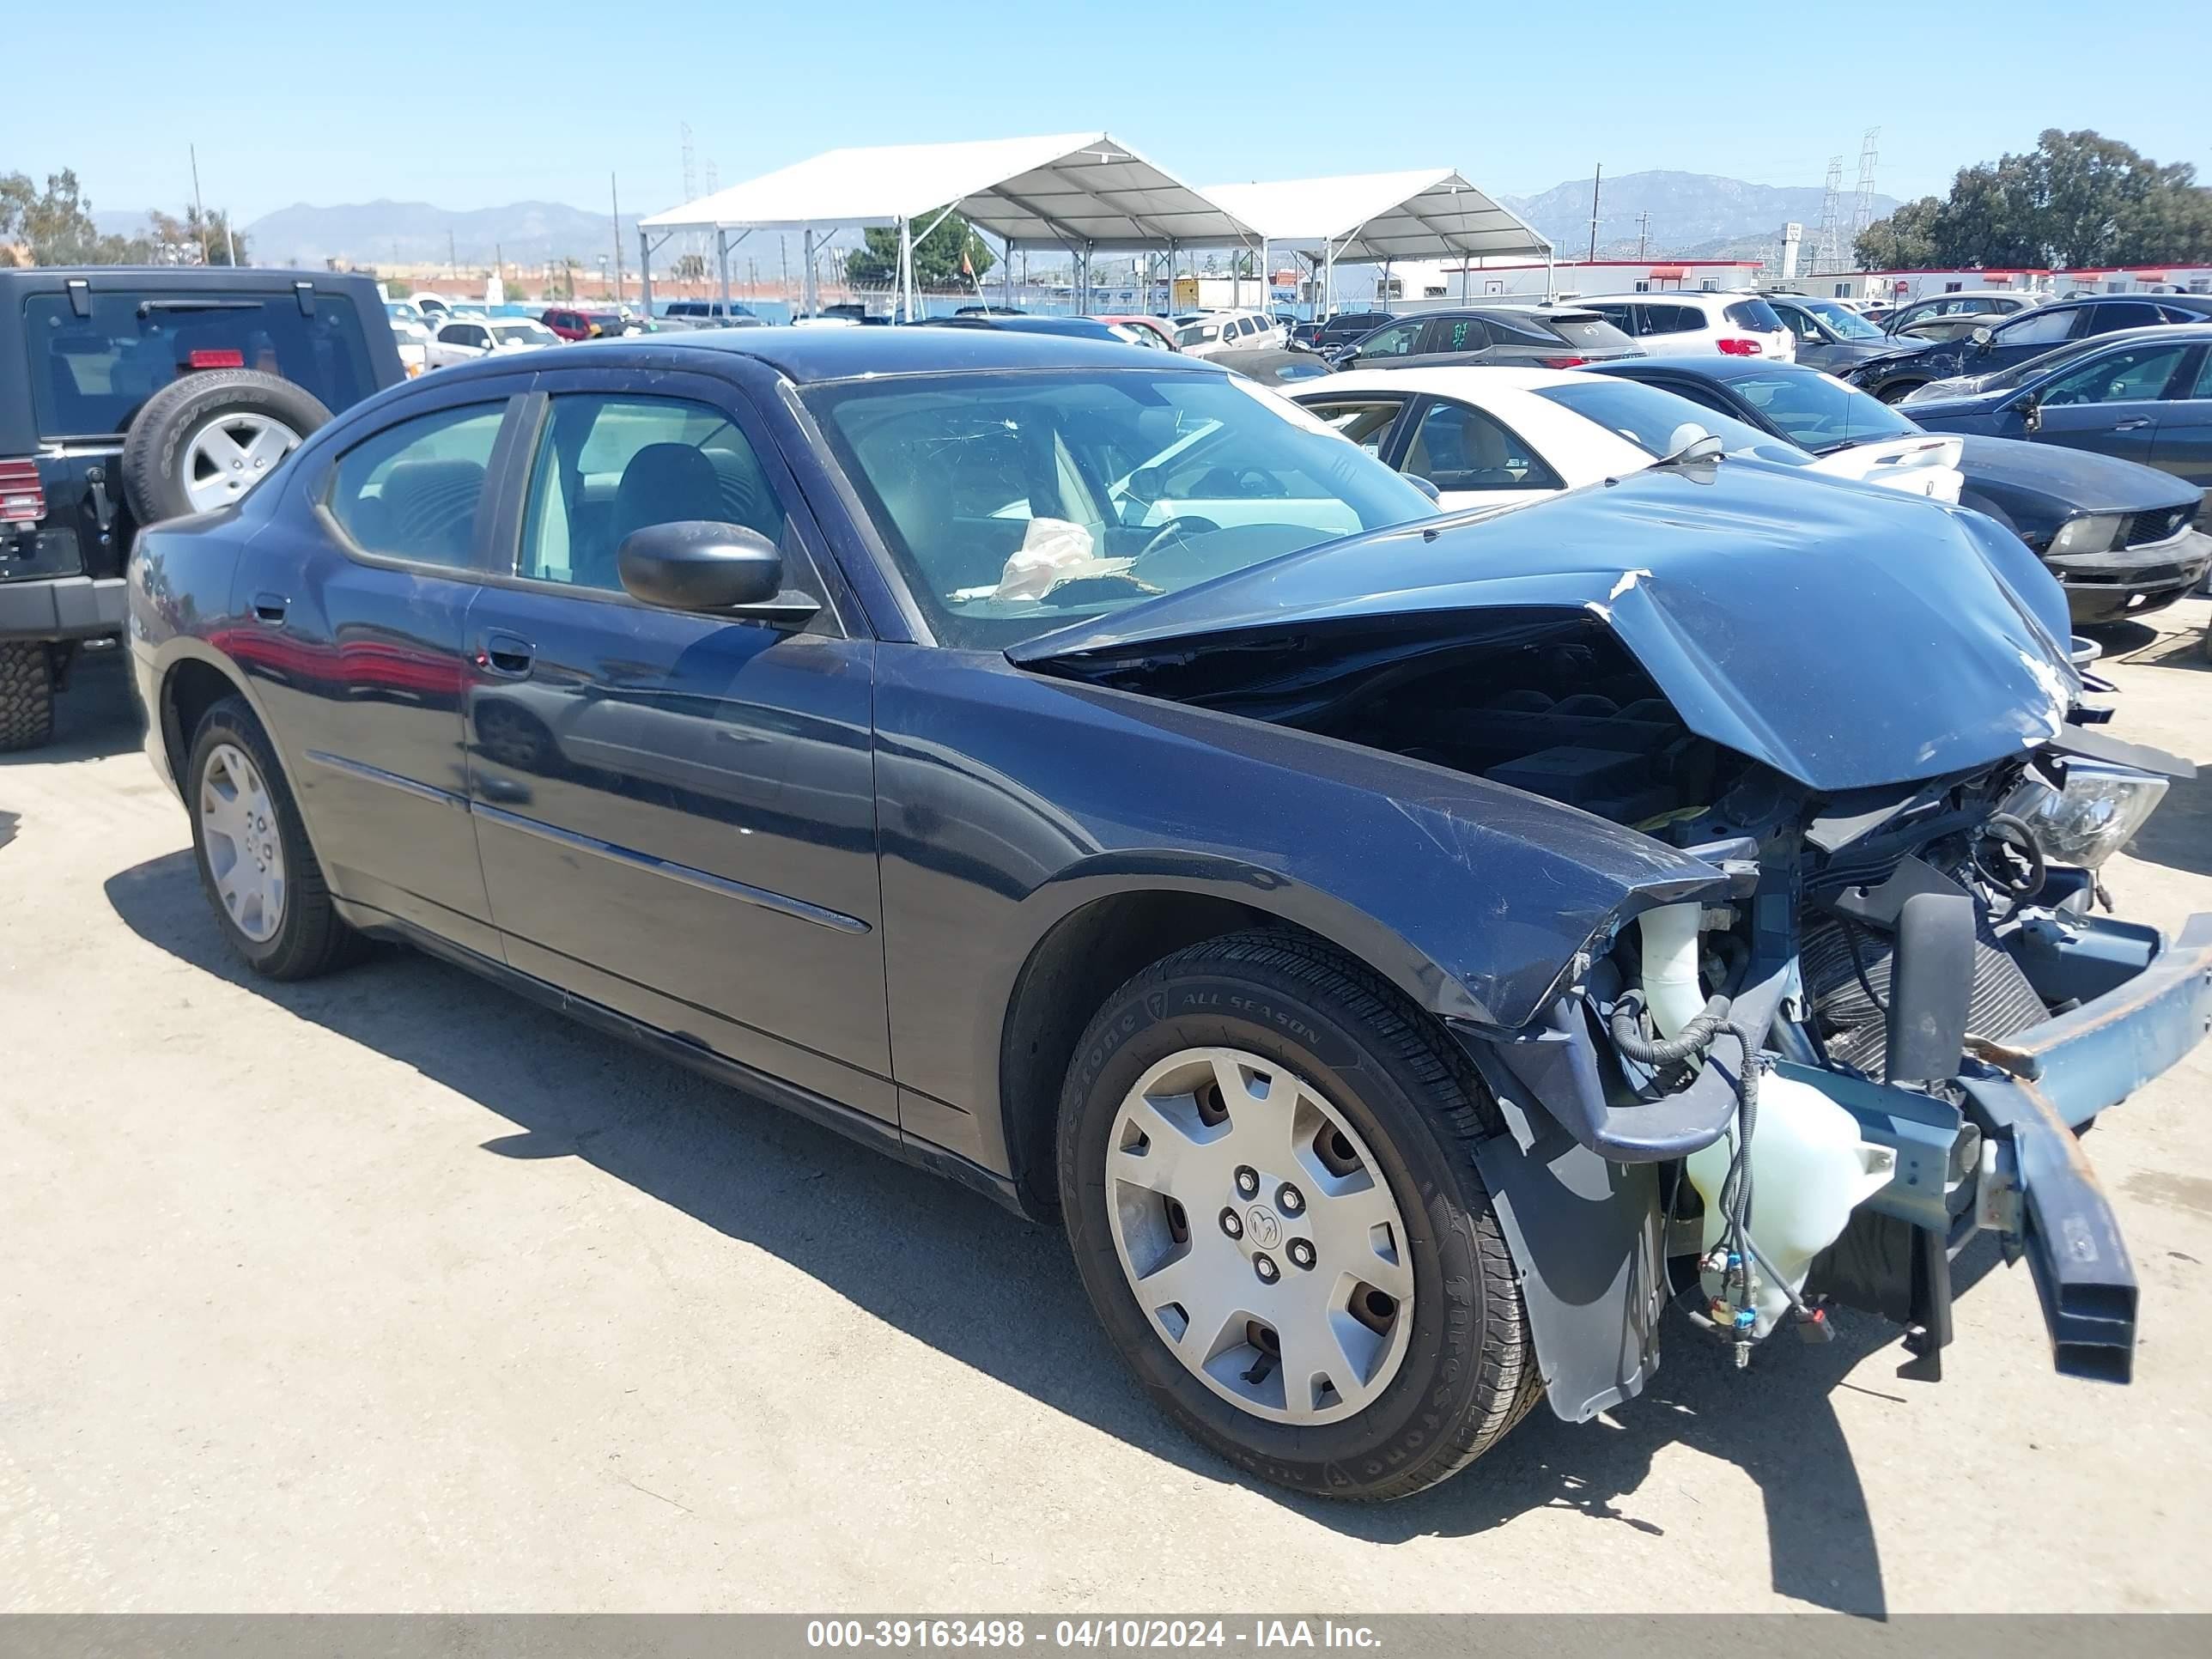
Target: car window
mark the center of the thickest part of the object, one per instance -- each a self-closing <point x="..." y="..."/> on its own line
<point x="607" y="466"/>
<point x="1588" y="332"/>
<point x="1016" y="503"/>
<point x="1458" y="448"/>
<point x="412" y="491"/>
<point x="1671" y="319"/>
<point x="1519" y="330"/>
<point x="1621" y="317"/>
<point x="1363" y="420"/>
<point x="1396" y="341"/>
<point x="1818" y="413"/>
<point x="1458" y="334"/>
<point x="1755" y="315"/>
<point x="1801" y="323"/>
<point x="2039" y="328"/>
<point x="2203" y="386"/>
<point x="1649" y="417"/>
<point x="2111" y="316"/>
<point x="90" y="375"/>
<point x="2135" y="374"/>
<point x="1198" y="334"/>
<point x="1842" y="319"/>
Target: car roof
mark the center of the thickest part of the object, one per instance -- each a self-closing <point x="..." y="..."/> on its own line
<point x="1447" y="381"/>
<point x="1711" y="368"/>
<point x="811" y="354"/>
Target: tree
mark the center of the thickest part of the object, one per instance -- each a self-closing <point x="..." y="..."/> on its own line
<point x="691" y="268"/>
<point x="936" y="257"/>
<point x="2077" y="198"/>
<point x="1905" y="241"/>
<point x="55" y="226"/>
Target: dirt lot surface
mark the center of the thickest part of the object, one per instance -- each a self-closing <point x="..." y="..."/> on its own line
<point x="392" y="1291"/>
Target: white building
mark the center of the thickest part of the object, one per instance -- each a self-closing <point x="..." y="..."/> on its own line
<point x="1415" y="285"/>
<point x="1899" y="287"/>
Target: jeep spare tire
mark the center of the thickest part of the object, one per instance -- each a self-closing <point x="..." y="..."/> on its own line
<point x="206" y="440"/>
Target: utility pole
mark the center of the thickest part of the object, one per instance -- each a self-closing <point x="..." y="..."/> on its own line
<point x="1596" y="183"/>
<point x="615" y="195"/>
<point x="453" y="259"/>
<point x="1643" y="234"/>
<point x="199" y="212"/>
<point x="499" y="263"/>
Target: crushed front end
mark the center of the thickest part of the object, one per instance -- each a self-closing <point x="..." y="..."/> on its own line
<point x="1880" y="1036"/>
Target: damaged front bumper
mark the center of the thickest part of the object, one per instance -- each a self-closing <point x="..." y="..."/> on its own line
<point x="1575" y="1177"/>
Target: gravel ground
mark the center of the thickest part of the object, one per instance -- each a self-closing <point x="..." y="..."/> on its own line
<point x="393" y="1292"/>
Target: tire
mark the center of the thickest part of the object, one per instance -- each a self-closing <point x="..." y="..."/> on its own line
<point x="308" y="937"/>
<point x="26" y="695"/>
<point x="1894" y="391"/>
<point x="1464" y="1372"/>
<point x="187" y="411"/>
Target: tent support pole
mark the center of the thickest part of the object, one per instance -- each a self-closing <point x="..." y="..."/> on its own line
<point x="906" y="271"/>
<point x="644" y="270"/>
<point x="722" y="265"/>
<point x="806" y="294"/>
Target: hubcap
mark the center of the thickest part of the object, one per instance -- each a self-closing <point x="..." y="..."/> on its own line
<point x="1260" y="1236"/>
<point x="244" y="851"/>
<point x="231" y="454"/>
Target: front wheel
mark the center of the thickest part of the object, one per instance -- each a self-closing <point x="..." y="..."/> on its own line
<point x="1265" y="1168"/>
<point x="1895" y="392"/>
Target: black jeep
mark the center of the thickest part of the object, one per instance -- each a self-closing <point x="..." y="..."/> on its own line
<point x="130" y="395"/>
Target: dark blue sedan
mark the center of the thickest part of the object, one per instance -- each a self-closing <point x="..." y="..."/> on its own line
<point x="1081" y="772"/>
<point x="2017" y="339"/>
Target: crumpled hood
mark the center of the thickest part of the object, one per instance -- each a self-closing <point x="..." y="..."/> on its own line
<point x="1843" y="635"/>
<point x="2078" y="479"/>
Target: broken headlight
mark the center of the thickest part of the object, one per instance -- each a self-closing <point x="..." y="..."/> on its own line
<point x="2091" y="532"/>
<point x="2084" y="824"/>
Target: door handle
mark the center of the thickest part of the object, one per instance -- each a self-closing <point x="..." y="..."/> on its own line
<point x="507" y="655"/>
<point x="268" y="608"/>
<point x="2131" y="426"/>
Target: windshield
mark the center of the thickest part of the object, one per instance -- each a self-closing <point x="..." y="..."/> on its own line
<point x="90" y="375"/>
<point x="1842" y="319"/>
<point x="1649" y="418"/>
<point x="1819" y="412"/>
<point x="524" y="334"/>
<point x="1017" y="503"/>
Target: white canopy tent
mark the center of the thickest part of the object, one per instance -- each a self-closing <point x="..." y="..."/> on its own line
<point x="1374" y="218"/>
<point x="1079" y="191"/>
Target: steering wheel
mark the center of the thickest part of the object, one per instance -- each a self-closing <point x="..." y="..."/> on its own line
<point x="1174" y="529"/>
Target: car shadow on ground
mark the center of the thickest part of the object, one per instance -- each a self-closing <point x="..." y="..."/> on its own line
<point x="931" y="1258"/>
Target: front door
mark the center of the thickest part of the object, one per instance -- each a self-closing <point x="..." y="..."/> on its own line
<point x="677" y="810"/>
<point x="2113" y="403"/>
<point x="349" y="623"/>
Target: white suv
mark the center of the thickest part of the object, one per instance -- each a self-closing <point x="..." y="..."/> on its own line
<point x="1682" y="323"/>
<point x="1227" y="331"/>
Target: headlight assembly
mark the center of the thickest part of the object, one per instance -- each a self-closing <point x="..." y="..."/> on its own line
<point x="2101" y="807"/>
<point x="2092" y="532"/>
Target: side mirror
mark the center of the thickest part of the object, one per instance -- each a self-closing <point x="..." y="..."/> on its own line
<point x="699" y="565"/>
<point x="2031" y="412"/>
<point x="1982" y="336"/>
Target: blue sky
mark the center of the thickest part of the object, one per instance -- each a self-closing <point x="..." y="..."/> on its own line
<point x="542" y="101"/>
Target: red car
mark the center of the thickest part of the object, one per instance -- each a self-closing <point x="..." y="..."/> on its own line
<point x="568" y="324"/>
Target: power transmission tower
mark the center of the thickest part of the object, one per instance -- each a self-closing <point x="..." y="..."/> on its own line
<point x="690" y="170"/>
<point x="1827" y="256"/>
<point x="1862" y="209"/>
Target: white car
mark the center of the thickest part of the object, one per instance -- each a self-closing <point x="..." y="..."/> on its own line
<point x="469" y="338"/>
<point x="1682" y="323"/>
<point x="1227" y="331"/>
<point x="1502" y="438"/>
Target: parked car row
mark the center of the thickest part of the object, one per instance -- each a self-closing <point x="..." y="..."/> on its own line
<point x="1390" y="942"/>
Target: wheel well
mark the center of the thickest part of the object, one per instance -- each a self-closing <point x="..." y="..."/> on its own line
<point x="192" y="689"/>
<point x="1069" y="975"/>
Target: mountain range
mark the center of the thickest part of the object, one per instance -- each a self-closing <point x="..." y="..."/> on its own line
<point x="1692" y="214"/>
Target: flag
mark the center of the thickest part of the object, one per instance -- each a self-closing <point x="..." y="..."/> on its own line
<point x="967" y="269"/>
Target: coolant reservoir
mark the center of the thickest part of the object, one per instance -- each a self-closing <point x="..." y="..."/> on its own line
<point x="1810" y="1169"/>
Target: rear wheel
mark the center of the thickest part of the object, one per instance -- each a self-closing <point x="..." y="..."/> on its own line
<point x="1265" y="1169"/>
<point x="26" y="695"/>
<point x="255" y="865"/>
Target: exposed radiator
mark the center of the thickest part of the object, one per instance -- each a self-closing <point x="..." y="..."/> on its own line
<point x="1856" y="1032"/>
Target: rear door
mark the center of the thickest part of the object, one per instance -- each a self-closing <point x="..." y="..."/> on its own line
<point x="2115" y="401"/>
<point x="677" y="810"/>
<point x="2183" y="444"/>
<point x="1451" y="340"/>
<point x="349" y="625"/>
